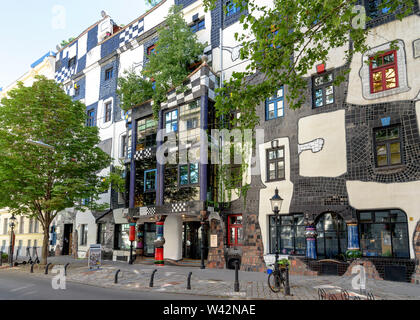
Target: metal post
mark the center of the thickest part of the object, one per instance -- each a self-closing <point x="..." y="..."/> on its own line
<point x="189" y="281"/>
<point x="276" y="265"/>
<point x="287" y="288"/>
<point x="32" y="267"/>
<point x="131" y="253"/>
<point x="1" y="258"/>
<point x="46" y="268"/>
<point x="116" y="276"/>
<point x="236" y="276"/>
<point x="11" y="248"/>
<point x="65" y="269"/>
<point x="152" y="278"/>
<point x="203" y="266"/>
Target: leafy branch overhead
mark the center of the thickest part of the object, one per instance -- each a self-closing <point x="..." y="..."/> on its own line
<point x="176" y="51"/>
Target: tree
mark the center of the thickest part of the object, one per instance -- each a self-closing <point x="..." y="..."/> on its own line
<point x="177" y="49"/>
<point x="38" y="182"/>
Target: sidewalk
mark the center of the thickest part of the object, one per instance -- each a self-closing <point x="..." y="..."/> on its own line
<point x="218" y="283"/>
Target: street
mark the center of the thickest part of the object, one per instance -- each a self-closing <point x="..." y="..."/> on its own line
<point x="21" y="286"/>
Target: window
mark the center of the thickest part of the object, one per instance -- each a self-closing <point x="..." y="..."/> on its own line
<point x="171" y="121"/>
<point x="192" y="123"/>
<point x="235" y="233"/>
<point x="22" y="225"/>
<point x="31" y="225"/>
<point x="28" y="245"/>
<point x="231" y="8"/>
<point x="109" y="73"/>
<point x="384" y="233"/>
<point x="197" y="26"/>
<point x="90" y="118"/>
<point x="121" y="237"/>
<point x="101" y="233"/>
<point x="123" y="146"/>
<point x="373" y="9"/>
<point x="151" y="50"/>
<point x="150" y="180"/>
<point x="72" y="62"/>
<point x="146" y="133"/>
<point x="332" y="236"/>
<point x="323" y="90"/>
<point x="388" y="146"/>
<point x="83" y="234"/>
<point x="274" y="107"/>
<point x="383" y="72"/>
<point x="188" y="174"/>
<point x="108" y="111"/>
<point x="290" y="234"/>
<point x="5" y="225"/>
<point x="36" y="228"/>
<point x="3" y="245"/>
<point x="275" y="164"/>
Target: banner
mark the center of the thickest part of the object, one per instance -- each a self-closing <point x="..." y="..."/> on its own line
<point x="95" y="256"/>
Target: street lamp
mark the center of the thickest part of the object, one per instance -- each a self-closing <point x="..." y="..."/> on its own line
<point x="276" y="203"/>
<point x="12" y="225"/>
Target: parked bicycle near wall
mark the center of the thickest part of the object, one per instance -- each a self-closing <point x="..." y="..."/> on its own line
<point x="278" y="277"/>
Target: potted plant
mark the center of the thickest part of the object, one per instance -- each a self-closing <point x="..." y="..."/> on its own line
<point x="353" y="254"/>
<point x="283" y="263"/>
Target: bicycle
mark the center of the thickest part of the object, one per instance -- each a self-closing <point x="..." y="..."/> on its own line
<point x="277" y="279"/>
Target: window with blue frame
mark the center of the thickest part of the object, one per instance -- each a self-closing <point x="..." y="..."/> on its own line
<point x="231" y="8"/>
<point x="188" y="174"/>
<point x="90" y="122"/>
<point x="171" y="121"/>
<point x="274" y="106"/>
<point x="150" y="181"/>
<point x="197" y="26"/>
<point x="377" y="8"/>
<point x="109" y="73"/>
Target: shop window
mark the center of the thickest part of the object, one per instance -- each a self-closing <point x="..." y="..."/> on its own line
<point x="108" y="111"/>
<point x="388" y="146"/>
<point x="5" y="225"/>
<point x="171" y="121"/>
<point x="384" y="233"/>
<point x="83" y="234"/>
<point x="383" y="72"/>
<point x="90" y="122"/>
<point x="188" y="174"/>
<point x="197" y="26"/>
<point x="323" y="90"/>
<point x="109" y="73"/>
<point x="101" y="233"/>
<point x="290" y="233"/>
<point x="121" y="237"/>
<point x="332" y="236"/>
<point x="150" y="181"/>
<point x="235" y="231"/>
<point x="274" y="106"/>
<point x="149" y="238"/>
<point x="146" y="133"/>
<point x="275" y="164"/>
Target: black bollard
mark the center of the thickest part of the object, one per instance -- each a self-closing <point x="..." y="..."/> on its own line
<point x="236" y="276"/>
<point x="65" y="269"/>
<point x="152" y="278"/>
<point x="32" y="267"/>
<point x="116" y="276"/>
<point x="287" y="288"/>
<point x="46" y="268"/>
<point x="189" y="281"/>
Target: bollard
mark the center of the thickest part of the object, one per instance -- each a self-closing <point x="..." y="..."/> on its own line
<point x="116" y="276"/>
<point x="236" y="277"/>
<point x="65" y="269"/>
<point x="46" y="268"/>
<point x="287" y="288"/>
<point x="152" y="278"/>
<point x="345" y="295"/>
<point x="32" y="267"/>
<point x="189" y="281"/>
<point x="322" y="294"/>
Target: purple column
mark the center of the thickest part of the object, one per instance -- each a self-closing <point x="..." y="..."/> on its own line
<point x="133" y="165"/>
<point x="160" y="166"/>
<point x="204" y="147"/>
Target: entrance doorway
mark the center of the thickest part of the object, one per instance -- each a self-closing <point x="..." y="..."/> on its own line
<point x="332" y="236"/>
<point x="67" y="240"/>
<point x="191" y="240"/>
<point x="149" y="239"/>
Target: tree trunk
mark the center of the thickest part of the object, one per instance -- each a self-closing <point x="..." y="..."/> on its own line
<point x="45" y="244"/>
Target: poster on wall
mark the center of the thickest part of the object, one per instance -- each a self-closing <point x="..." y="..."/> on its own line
<point x="95" y="256"/>
<point x="213" y="241"/>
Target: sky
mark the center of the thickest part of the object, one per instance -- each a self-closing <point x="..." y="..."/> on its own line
<point x="32" y="28"/>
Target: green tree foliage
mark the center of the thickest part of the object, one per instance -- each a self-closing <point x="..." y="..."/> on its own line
<point x="66" y="42"/>
<point x="39" y="182"/>
<point x="177" y="49"/>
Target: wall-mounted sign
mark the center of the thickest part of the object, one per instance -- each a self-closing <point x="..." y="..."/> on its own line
<point x="213" y="241"/>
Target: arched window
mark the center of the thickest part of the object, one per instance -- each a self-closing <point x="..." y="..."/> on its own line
<point x="384" y="233"/>
<point x="332" y="236"/>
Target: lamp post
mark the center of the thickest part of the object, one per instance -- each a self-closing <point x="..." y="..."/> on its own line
<point x="276" y="203"/>
<point x="12" y="225"/>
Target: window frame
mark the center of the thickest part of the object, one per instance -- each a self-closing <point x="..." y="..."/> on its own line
<point x="387" y="143"/>
<point x="323" y="86"/>
<point x="90" y="121"/>
<point x="109" y="73"/>
<point x="234" y="9"/>
<point x="382" y="68"/>
<point x="275" y="161"/>
<point x="84" y="234"/>
<point x="172" y="121"/>
<point x="71" y="63"/>
<point x="108" y="112"/>
<point x="275" y="99"/>
<point x="198" y="25"/>
<point x="188" y="184"/>
<point x="151" y="49"/>
<point x="236" y="227"/>
<point x="145" y="176"/>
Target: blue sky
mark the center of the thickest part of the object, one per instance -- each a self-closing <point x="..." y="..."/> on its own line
<point x="32" y="28"/>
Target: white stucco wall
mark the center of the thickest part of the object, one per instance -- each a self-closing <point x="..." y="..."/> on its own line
<point x="86" y="218"/>
<point x="172" y="232"/>
<point x="373" y="195"/>
<point x="331" y="161"/>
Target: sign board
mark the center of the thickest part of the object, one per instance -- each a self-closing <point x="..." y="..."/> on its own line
<point x="95" y="256"/>
<point x="213" y="241"/>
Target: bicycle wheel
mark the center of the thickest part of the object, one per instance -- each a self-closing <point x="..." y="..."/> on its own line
<point x="274" y="282"/>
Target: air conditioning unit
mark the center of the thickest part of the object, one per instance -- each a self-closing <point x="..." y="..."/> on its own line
<point x="105" y="29"/>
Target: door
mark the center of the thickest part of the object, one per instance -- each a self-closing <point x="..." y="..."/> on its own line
<point x="192" y="240"/>
<point x="68" y="233"/>
<point x="149" y="238"/>
<point x="332" y="236"/>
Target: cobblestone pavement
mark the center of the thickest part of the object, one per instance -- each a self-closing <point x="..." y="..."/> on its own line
<point x="218" y="283"/>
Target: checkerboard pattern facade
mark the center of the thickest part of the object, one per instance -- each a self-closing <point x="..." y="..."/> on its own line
<point x="133" y="31"/>
<point x="64" y="74"/>
<point x="143" y="154"/>
<point x="179" y="207"/>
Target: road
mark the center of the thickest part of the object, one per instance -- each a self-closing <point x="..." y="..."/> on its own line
<point x="20" y="286"/>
